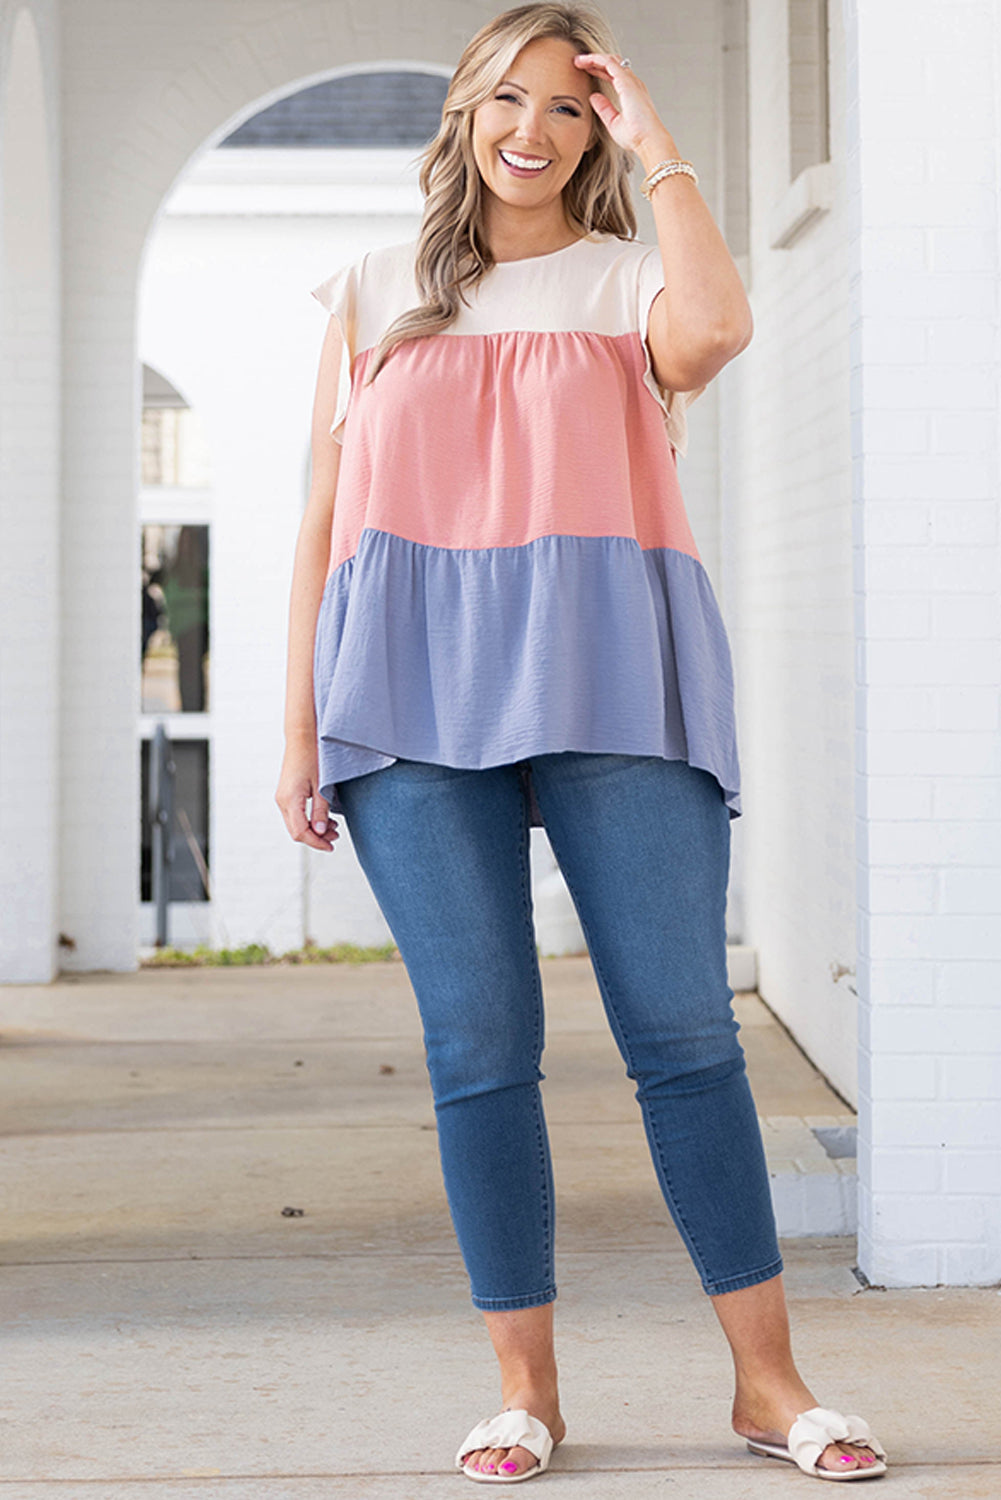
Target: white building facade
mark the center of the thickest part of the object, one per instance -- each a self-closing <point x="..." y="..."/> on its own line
<point x="843" y="484"/>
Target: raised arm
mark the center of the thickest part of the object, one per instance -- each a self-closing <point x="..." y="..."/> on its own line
<point x="702" y="319"/>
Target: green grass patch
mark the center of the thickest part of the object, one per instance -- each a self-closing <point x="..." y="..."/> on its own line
<point x="258" y="954"/>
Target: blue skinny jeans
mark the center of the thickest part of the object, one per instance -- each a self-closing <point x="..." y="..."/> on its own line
<point x="644" y="847"/>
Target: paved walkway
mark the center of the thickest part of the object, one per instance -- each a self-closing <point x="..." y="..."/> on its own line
<point x="171" y="1335"/>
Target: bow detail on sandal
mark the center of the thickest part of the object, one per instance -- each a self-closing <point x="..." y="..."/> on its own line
<point x="812" y="1432"/>
<point x="508" y="1429"/>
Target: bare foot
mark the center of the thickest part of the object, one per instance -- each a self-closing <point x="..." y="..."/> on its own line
<point x="545" y="1407"/>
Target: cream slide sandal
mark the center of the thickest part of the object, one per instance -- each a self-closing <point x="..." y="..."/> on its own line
<point x="508" y="1429"/>
<point x="810" y="1434"/>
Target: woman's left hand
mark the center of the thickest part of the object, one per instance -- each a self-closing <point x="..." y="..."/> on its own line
<point x="635" y="121"/>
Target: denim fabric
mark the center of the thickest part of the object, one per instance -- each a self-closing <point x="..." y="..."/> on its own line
<point x="644" y="845"/>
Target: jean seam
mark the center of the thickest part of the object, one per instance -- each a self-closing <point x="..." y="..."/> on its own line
<point x="545" y="1168"/>
<point x="748" y="1278"/>
<point x="527" y="1299"/>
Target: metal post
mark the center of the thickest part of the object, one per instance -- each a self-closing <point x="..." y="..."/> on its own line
<point x="162" y="772"/>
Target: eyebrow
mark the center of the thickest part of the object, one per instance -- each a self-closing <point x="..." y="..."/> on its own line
<point x="510" y="83"/>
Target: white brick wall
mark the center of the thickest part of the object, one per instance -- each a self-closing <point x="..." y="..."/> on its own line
<point x="31" y="798"/>
<point x="925" y="351"/>
<point x="787" y="580"/>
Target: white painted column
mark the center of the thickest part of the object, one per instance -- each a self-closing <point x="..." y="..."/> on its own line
<point x="923" y="189"/>
<point x="30" y="793"/>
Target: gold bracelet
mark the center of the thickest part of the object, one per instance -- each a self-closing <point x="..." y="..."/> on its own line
<point x="666" y="169"/>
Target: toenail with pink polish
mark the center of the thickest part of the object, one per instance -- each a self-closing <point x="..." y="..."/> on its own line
<point x="845" y="1459"/>
<point x="510" y="1468"/>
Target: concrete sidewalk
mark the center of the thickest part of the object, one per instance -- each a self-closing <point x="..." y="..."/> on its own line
<point x="171" y="1335"/>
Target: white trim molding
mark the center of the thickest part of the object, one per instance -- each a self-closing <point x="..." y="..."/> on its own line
<point x="808" y="197"/>
<point x="316" y="180"/>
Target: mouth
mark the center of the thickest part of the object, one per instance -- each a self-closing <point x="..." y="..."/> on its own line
<point x="524" y="166"/>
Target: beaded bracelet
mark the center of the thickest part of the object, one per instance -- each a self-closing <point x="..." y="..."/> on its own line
<point x="666" y="169"/>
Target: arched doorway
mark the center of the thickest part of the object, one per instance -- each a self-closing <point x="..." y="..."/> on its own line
<point x="297" y="188"/>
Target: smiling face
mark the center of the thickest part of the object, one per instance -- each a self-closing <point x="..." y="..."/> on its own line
<point x="529" y="136"/>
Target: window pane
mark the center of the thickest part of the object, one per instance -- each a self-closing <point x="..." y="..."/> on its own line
<point x="175" y="619"/>
<point x="189" y="825"/>
<point x="173" y="448"/>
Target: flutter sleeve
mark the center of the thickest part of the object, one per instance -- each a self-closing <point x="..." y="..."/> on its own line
<point x="339" y="295"/>
<point x="673" y="403"/>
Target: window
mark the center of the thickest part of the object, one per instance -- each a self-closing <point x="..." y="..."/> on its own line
<point x="174" y="450"/>
<point x="189" y="825"/>
<point x="175" y="508"/>
<point x="809" y="108"/>
<point x="366" y="109"/>
<point x="736" y="205"/>
<point x="175" y="619"/>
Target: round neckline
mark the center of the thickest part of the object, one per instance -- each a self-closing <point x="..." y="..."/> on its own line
<point x="523" y="260"/>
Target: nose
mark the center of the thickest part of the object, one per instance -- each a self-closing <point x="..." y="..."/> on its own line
<point x="530" y="126"/>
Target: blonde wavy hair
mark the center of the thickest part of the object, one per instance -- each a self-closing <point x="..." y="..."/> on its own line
<point x="452" y="251"/>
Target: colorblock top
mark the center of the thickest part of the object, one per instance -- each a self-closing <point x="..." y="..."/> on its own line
<point x="511" y="570"/>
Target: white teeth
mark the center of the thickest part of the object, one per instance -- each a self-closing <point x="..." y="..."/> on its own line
<point x="534" y="165"/>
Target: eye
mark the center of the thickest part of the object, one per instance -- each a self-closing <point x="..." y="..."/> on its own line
<point x="512" y="97"/>
<point x="570" y="110"/>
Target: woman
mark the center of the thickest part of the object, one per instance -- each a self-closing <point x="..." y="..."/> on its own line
<point x="505" y="622"/>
